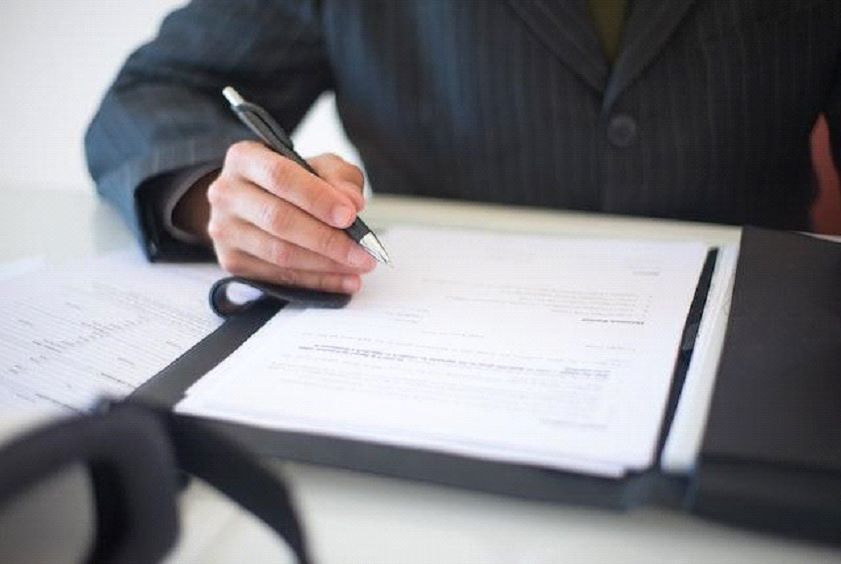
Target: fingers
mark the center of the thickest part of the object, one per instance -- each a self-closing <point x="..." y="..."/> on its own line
<point x="342" y="175"/>
<point x="271" y="219"/>
<point x="259" y="244"/>
<point x="290" y="182"/>
<point x="240" y="263"/>
<point x="284" y="221"/>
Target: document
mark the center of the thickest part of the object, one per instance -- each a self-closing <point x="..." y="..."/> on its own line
<point x="528" y="349"/>
<point x="15" y="268"/>
<point x="103" y="326"/>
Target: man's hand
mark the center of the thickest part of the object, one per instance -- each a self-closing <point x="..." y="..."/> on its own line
<point x="272" y="220"/>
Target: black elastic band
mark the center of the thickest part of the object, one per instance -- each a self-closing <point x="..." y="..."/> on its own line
<point x="132" y="471"/>
<point x="687" y="346"/>
<point x="223" y="306"/>
<point x="225" y="465"/>
<point x="133" y="451"/>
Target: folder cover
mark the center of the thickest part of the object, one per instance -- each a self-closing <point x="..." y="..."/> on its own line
<point x="771" y="455"/>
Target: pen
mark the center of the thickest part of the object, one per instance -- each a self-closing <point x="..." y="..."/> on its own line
<point x="269" y="131"/>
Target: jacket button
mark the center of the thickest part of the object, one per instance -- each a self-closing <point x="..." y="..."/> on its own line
<point x="622" y="130"/>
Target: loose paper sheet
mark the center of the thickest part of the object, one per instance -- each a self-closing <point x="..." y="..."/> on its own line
<point x="72" y="333"/>
<point x="530" y="349"/>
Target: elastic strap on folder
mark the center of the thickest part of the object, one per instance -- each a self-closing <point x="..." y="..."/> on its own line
<point x="687" y="345"/>
<point x="225" y="305"/>
<point x="132" y="473"/>
<point x="226" y="466"/>
<point x="133" y="451"/>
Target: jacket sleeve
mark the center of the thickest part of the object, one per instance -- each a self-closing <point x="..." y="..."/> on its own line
<point x="165" y="111"/>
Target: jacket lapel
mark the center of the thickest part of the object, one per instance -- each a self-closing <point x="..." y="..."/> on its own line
<point x="565" y="28"/>
<point x="649" y="25"/>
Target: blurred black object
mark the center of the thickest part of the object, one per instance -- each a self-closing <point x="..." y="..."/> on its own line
<point x="133" y="455"/>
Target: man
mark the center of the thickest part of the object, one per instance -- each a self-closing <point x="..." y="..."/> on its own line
<point x="690" y="109"/>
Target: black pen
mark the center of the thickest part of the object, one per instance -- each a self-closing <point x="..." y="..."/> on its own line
<point x="269" y="131"/>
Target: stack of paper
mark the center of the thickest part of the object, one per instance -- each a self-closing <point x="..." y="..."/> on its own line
<point x="535" y="350"/>
<point x="104" y="326"/>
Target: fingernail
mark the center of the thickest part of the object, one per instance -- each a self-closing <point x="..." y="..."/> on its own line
<point x="350" y="284"/>
<point x="342" y="215"/>
<point x="360" y="257"/>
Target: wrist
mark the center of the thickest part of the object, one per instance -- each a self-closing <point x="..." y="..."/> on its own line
<point x="192" y="211"/>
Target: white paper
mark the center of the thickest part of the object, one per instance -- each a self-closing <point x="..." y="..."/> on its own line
<point x="684" y="441"/>
<point x="530" y="349"/>
<point x="103" y="326"/>
<point x="15" y="268"/>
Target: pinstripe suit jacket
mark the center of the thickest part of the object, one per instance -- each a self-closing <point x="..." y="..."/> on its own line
<point x="705" y="115"/>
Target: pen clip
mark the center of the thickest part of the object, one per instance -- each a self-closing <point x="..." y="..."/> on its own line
<point x="272" y="129"/>
<point x="265" y="127"/>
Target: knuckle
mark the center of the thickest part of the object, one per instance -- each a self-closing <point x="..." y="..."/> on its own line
<point x="232" y="262"/>
<point x="278" y="171"/>
<point x="328" y="282"/>
<point x="316" y="281"/>
<point x="332" y="159"/>
<point x="322" y="202"/>
<point x="275" y="218"/>
<point x="237" y="152"/>
<point x="333" y="244"/>
<point x="292" y="278"/>
<point x="216" y="192"/>
<point x="216" y="229"/>
<point x="279" y="252"/>
<point x="325" y="161"/>
<point x="340" y="168"/>
<point x="357" y="174"/>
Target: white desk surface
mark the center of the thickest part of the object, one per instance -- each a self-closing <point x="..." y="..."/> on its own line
<point x="357" y="518"/>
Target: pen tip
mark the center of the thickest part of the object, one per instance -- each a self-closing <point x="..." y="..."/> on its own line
<point x="376" y="249"/>
<point x="232" y="96"/>
<point x="387" y="259"/>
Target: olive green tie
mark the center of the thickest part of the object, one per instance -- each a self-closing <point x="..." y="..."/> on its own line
<point x="608" y="17"/>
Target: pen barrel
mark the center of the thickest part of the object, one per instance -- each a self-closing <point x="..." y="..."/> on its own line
<point x="292" y="155"/>
<point x="357" y="230"/>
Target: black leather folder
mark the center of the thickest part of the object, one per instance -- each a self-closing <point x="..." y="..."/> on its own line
<point x="772" y="448"/>
<point x="771" y="456"/>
